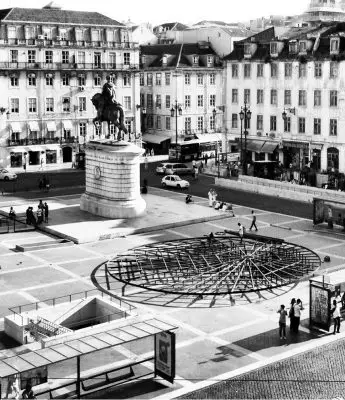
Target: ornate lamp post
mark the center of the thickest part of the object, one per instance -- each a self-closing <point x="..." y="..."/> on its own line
<point x="176" y="111"/>
<point x="245" y="116"/>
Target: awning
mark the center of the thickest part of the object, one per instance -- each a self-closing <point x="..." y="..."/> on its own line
<point x="15" y="126"/>
<point x="254" y="145"/>
<point x="51" y="127"/>
<point x="67" y="125"/>
<point x="295" y="144"/>
<point x="269" y="147"/>
<point x="209" y="137"/>
<point x="156" y="139"/>
<point x="33" y="126"/>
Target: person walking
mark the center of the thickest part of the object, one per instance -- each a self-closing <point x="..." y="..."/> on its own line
<point x="292" y="314"/>
<point x="46" y="212"/>
<point x="240" y="231"/>
<point x="253" y="225"/>
<point x="282" y="321"/>
<point x="12" y="213"/>
<point x="336" y="317"/>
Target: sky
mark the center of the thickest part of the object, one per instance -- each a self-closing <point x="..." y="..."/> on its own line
<point x="185" y="11"/>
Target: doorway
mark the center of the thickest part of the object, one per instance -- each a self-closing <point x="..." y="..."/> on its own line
<point x="34" y="157"/>
<point x="66" y="154"/>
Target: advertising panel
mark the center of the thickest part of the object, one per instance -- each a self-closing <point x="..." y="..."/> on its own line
<point x="165" y="355"/>
<point x="320" y="306"/>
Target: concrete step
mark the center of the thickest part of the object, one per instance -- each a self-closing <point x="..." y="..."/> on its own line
<point x="50" y="244"/>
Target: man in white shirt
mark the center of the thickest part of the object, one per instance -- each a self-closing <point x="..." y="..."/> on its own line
<point x="240" y="231"/>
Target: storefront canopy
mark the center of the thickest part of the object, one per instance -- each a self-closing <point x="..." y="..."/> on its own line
<point x="269" y="147"/>
<point x="33" y="126"/>
<point x="51" y="126"/>
<point x="209" y="137"/>
<point x="156" y="139"/>
<point x="15" y="126"/>
<point x="67" y="125"/>
<point x="254" y="145"/>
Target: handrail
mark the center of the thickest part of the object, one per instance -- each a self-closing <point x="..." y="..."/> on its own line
<point x="17" y="310"/>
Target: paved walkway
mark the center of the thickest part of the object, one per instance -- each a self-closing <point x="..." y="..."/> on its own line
<point x="216" y="340"/>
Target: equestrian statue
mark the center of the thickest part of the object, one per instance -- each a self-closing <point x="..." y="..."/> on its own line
<point x="108" y="109"/>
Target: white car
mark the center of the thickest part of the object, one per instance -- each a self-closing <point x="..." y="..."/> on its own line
<point x="175" y="181"/>
<point x="6" y="175"/>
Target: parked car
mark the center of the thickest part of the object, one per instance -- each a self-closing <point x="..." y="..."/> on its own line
<point x="6" y="175"/>
<point x="173" y="168"/>
<point x="175" y="181"/>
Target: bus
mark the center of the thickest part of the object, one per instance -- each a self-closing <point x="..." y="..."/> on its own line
<point x="194" y="149"/>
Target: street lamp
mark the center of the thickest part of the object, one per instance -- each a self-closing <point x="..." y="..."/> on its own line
<point x="245" y="115"/>
<point x="176" y="111"/>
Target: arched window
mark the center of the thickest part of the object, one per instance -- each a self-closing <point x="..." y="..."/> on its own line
<point x="332" y="158"/>
<point x="316" y="159"/>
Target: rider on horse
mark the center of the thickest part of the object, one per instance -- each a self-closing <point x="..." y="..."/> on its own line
<point x="108" y="93"/>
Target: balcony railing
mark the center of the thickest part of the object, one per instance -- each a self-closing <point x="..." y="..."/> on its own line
<point x="67" y="43"/>
<point x="28" y="141"/>
<point x="66" y="66"/>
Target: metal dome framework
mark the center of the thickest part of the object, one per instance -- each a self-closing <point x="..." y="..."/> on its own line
<point x="218" y="265"/>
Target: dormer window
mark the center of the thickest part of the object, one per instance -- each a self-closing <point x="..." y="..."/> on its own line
<point x="247" y="50"/>
<point x="210" y="61"/>
<point x="303" y="46"/>
<point x="293" y="47"/>
<point x="143" y="59"/>
<point x="274" y="49"/>
<point x="334" y="46"/>
<point x="196" y="60"/>
<point x="164" y="60"/>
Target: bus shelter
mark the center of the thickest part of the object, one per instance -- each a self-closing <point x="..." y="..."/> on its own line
<point x="122" y="366"/>
<point x="322" y="291"/>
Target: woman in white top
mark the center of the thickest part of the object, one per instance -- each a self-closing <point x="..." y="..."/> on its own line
<point x="336" y="317"/>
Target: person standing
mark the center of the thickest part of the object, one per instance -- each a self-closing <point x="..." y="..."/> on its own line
<point x="282" y="321"/>
<point x="297" y="314"/>
<point x="240" y="231"/>
<point x="39" y="214"/>
<point x="210" y="198"/>
<point x="336" y="316"/>
<point x="46" y="212"/>
<point x="253" y="225"/>
<point x="146" y="161"/>
<point x="292" y="315"/>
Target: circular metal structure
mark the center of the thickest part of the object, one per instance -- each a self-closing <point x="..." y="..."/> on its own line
<point x="214" y="265"/>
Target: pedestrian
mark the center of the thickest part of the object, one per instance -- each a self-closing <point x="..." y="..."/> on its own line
<point x="27" y="213"/>
<point x="13" y="391"/>
<point x="39" y="214"/>
<point x="28" y="392"/>
<point x="196" y="173"/>
<point x="40" y="204"/>
<point x="253" y="222"/>
<point x="206" y="158"/>
<point x="240" y="231"/>
<point x="12" y="213"/>
<point x="32" y="218"/>
<point x="24" y="167"/>
<point x="330" y="218"/>
<point x="297" y="314"/>
<point x="210" y="198"/>
<point x="282" y="321"/>
<point x="47" y="185"/>
<point x="292" y="315"/>
<point x="46" y="212"/>
<point x="146" y="163"/>
<point x="336" y="317"/>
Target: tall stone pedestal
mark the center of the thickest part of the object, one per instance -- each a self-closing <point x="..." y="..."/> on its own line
<point x="113" y="180"/>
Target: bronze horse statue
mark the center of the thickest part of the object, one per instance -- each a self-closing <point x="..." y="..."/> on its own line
<point x="111" y="113"/>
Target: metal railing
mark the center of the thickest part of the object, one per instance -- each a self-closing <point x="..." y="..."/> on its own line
<point x="52" y="302"/>
<point x="69" y="43"/>
<point x="32" y="66"/>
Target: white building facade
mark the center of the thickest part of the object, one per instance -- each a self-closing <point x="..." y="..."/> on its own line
<point x="52" y="62"/>
<point x="189" y="76"/>
<point x="300" y="76"/>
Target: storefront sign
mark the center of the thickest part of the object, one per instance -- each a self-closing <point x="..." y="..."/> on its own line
<point x="165" y="355"/>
